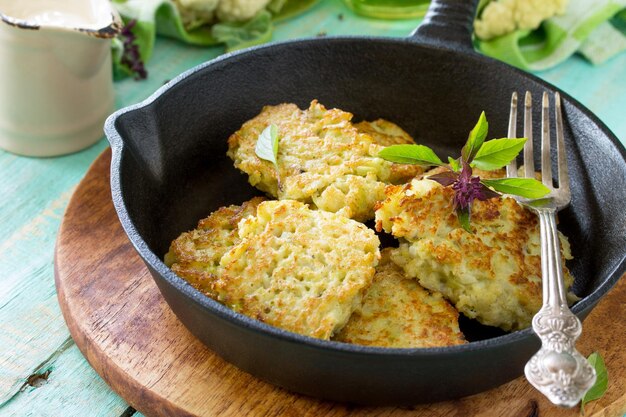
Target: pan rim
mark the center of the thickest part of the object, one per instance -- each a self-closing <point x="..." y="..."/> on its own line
<point x="224" y="313"/>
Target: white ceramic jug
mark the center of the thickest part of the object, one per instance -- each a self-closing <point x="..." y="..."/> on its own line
<point x="55" y="73"/>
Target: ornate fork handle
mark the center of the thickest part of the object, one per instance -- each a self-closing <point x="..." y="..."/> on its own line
<point x="557" y="370"/>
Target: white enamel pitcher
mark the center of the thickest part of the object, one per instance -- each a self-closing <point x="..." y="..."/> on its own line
<point x="55" y="73"/>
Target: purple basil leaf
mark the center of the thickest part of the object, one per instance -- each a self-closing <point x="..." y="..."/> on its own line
<point x="445" y="178"/>
<point x="131" y="57"/>
<point x="487" y="193"/>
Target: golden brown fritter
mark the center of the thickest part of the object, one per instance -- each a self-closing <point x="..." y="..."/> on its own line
<point x="299" y="269"/>
<point x="323" y="159"/>
<point x="195" y="255"/>
<point x="386" y="133"/>
<point x="492" y="275"/>
<point x="397" y="312"/>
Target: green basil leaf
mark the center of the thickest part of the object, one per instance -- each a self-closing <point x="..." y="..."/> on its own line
<point x="267" y="145"/>
<point x="496" y="153"/>
<point x="454" y="164"/>
<point x="464" y="218"/>
<point x="523" y="187"/>
<point x="475" y="139"/>
<point x="410" y="154"/>
<point x="602" y="380"/>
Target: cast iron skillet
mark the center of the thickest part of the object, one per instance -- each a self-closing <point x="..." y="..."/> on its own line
<point x="169" y="169"/>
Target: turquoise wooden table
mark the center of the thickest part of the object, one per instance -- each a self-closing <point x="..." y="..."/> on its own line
<point x="42" y="372"/>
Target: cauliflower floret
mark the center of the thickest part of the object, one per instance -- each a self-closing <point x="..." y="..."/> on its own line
<point x="239" y="10"/>
<point x="195" y="13"/>
<point x="502" y="17"/>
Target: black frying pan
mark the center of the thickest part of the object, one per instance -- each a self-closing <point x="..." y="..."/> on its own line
<point x="169" y="169"/>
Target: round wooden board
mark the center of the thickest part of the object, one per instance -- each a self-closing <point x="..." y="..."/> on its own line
<point x="127" y="332"/>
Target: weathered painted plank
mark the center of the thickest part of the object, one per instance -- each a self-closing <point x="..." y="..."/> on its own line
<point x="31" y="326"/>
<point x="29" y="184"/>
<point x="72" y="388"/>
<point x="602" y="89"/>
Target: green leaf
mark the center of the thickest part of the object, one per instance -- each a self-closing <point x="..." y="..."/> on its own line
<point x="242" y="35"/>
<point x="523" y="187"/>
<point x="496" y="153"/>
<point x="454" y="164"/>
<point x="475" y="139"/>
<point x="410" y="154"/>
<point x="275" y="6"/>
<point x="602" y="380"/>
<point x="464" y="218"/>
<point x="267" y="145"/>
<point x="293" y="8"/>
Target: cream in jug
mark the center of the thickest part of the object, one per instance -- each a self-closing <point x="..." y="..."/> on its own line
<point x="55" y="74"/>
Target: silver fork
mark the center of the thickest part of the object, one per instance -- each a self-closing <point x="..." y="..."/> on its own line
<point x="557" y="369"/>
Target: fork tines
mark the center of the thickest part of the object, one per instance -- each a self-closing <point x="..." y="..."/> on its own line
<point x="546" y="165"/>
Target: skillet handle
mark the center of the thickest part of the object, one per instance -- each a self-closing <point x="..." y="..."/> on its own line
<point x="448" y="24"/>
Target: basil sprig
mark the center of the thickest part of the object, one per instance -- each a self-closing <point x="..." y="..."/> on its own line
<point x="476" y="153"/>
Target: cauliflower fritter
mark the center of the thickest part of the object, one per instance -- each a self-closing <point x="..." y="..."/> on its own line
<point x="397" y="312"/>
<point x="195" y="255"/>
<point x="323" y="159"/>
<point x="386" y="133"/>
<point x="492" y="275"/>
<point x="299" y="269"/>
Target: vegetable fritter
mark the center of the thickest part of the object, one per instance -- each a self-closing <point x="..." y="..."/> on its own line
<point x="299" y="269"/>
<point x="397" y="312"/>
<point x="323" y="159"/>
<point x="195" y="255"/>
<point x="493" y="274"/>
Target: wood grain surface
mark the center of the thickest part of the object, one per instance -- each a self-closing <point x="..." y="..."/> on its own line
<point x="122" y="325"/>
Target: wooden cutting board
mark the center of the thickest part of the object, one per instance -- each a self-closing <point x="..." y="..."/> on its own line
<point x="127" y="332"/>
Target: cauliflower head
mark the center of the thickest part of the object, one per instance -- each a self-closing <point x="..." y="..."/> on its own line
<point x="501" y="17"/>
<point x="239" y="10"/>
<point x="195" y="13"/>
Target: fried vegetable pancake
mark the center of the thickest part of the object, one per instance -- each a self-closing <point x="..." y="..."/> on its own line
<point x="492" y="275"/>
<point x="386" y="133"/>
<point x="397" y="312"/>
<point x="299" y="269"/>
<point x="323" y="159"/>
<point x="195" y="255"/>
